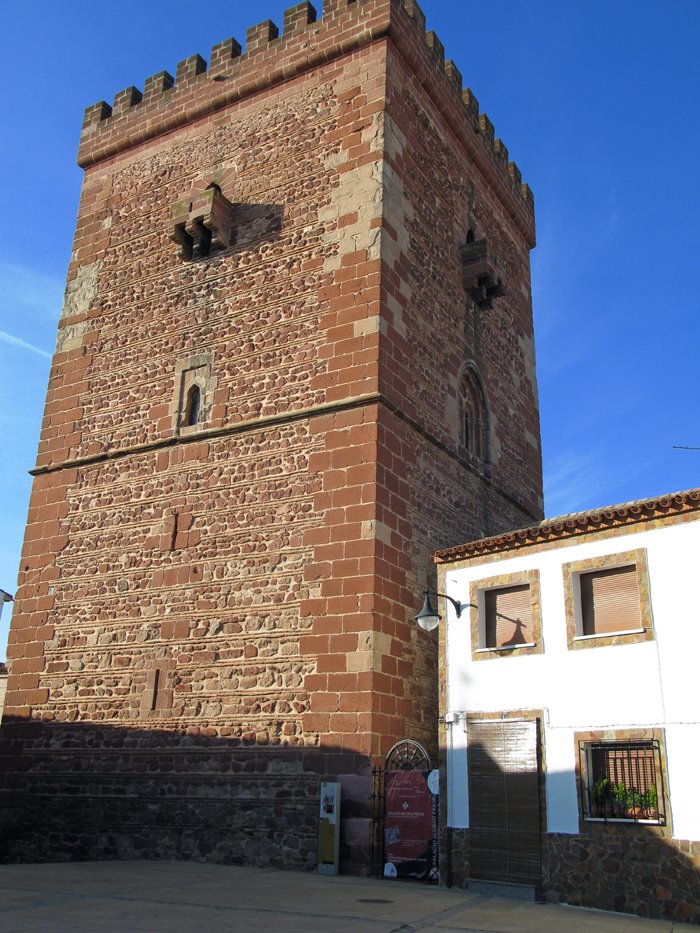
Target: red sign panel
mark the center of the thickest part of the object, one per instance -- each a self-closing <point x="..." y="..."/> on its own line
<point x="411" y="824"/>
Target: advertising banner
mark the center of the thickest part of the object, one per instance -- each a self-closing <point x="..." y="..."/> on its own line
<point x="411" y="824"/>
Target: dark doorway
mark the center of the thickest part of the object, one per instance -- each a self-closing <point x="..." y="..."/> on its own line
<point x="504" y="801"/>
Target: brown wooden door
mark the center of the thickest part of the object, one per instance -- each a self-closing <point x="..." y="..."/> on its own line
<point x="504" y="801"/>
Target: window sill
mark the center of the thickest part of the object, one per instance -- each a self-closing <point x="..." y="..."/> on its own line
<point x="620" y="819"/>
<point x="629" y="631"/>
<point x="186" y="430"/>
<point x="527" y="644"/>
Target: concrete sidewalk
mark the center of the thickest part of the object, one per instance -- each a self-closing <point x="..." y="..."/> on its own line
<point x="174" y="897"/>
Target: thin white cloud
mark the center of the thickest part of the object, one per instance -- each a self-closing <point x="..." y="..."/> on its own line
<point x="17" y="342"/>
<point x="23" y="288"/>
<point x="614" y="215"/>
<point x="30" y="301"/>
<point x="569" y="483"/>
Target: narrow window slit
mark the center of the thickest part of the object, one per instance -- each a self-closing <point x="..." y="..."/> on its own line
<point x="174" y="535"/>
<point x="193" y="406"/>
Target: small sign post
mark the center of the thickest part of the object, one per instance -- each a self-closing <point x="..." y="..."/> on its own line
<point x="329" y="828"/>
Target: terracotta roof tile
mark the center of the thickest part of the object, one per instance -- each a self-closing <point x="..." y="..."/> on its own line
<point x="577" y="523"/>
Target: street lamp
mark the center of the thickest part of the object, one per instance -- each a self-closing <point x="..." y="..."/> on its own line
<point x="429" y="618"/>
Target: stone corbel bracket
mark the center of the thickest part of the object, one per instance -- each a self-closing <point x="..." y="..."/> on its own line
<point x="201" y="223"/>
<point x="482" y="273"/>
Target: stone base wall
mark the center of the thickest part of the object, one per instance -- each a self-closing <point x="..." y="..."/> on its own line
<point x="212" y="832"/>
<point x="629" y="869"/>
<point x="104" y="793"/>
<point x="625" y="868"/>
<point x="454" y="857"/>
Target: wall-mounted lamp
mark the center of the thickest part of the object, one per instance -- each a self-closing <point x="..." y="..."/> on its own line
<point x="428" y="618"/>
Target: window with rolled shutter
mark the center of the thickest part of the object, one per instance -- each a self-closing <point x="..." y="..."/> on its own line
<point x="610" y="601"/>
<point x="508" y="617"/>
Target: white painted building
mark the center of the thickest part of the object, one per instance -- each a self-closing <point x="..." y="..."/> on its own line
<point x="570" y="708"/>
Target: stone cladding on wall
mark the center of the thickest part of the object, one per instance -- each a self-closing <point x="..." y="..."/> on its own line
<point x="213" y="617"/>
<point x="454" y="857"/>
<point x="632" y="869"/>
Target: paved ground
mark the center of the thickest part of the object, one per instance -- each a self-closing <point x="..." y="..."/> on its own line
<point x="174" y="897"/>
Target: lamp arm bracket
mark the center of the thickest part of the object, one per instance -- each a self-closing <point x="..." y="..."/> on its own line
<point x="455" y="602"/>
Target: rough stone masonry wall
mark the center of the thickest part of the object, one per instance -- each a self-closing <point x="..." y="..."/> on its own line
<point x="428" y="491"/>
<point x="634" y="869"/>
<point x="205" y="560"/>
<point x="436" y="193"/>
<point x="425" y="495"/>
<point x="206" y="627"/>
<point x="228" y="736"/>
<point x="134" y="310"/>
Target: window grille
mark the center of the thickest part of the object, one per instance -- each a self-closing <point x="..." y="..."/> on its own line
<point x="622" y="781"/>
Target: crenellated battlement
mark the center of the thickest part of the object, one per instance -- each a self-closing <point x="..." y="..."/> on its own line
<point x="269" y="57"/>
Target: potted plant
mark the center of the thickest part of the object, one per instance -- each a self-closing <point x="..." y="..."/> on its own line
<point x="650" y="803"/>
<point x="619" y="798"/>
<point x="634" y="803"/>
<point x="600" y="797"/>
<point x="622" y="802"/>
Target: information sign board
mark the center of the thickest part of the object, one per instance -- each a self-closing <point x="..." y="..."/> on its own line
<point x="329" y="828"/>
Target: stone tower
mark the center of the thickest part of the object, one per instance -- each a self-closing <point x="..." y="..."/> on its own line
<point x="295" y="358"/>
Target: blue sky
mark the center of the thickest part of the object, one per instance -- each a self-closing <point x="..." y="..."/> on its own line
<point x="597" y="103"/>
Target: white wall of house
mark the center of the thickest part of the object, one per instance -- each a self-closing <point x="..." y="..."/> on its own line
<point x="654" y="683"/>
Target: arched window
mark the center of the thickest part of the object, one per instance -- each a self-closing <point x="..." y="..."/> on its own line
<point x="474" y="415"/>
<point x="192" y="408"/>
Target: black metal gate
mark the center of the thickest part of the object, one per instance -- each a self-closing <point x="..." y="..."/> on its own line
<point x="405" y="812"/>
